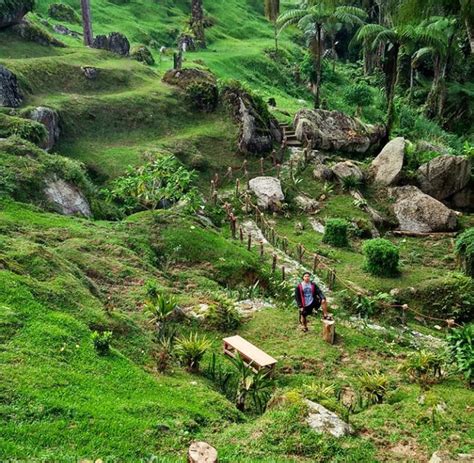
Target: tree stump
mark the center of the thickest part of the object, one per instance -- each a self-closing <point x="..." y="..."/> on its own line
<point x="329" y="330"/>
<point x="202" y="452"/>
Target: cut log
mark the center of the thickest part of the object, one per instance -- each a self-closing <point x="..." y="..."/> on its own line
<point x="202" y="452"/>
<point x="329" y="330"/>
<point x="425" y="234"/>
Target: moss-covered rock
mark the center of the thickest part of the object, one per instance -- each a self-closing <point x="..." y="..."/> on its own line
<point x="143" y="54"/>
<point x="12" y="11"/>
<point x="34" y="33"/>
<point x="27" y="129"/>
<point x="63" y="12"/>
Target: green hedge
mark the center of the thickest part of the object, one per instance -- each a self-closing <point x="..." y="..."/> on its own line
<point x="381" y="257"/>
<point x="335" y="233"/>
<point x="465" y="251"/>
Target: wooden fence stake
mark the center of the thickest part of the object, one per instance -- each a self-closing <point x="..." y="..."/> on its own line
<point x="241" y="233"/>
<point x="283" y="273"/>
<point x="261" y="166"/>
<point x="237" y="187"/>
<point x="274" y="263"/>
<point x="229" y="172"/>
<point x="261" y="249"/>
<point x="315" y="263"/>
<point x="233" y="225"/>
<point x="329" y="331"/>
<point x="249" y="242"/>
<point x="278" y="170"/>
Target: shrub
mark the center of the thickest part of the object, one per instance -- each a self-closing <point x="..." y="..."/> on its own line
<point x="102" y="341"/>
<point x="424" y="366"/>
<point x="63" y="12"/>
<point x="164" y="354"/>
<point x="381" y="257"/>
<point x="465" y="251"/>
<point x="359" y="95"/>
<point x="160" y="307"/>
<point x="461" y="345"/>
<point x="158" y="183"/>
<point x="143" y="54"/>
<point x="29" y="130"/>
<point x="366" y="306"/>
<point x="335" y="233"/>
<point x="350" y="183"/>
<point x="223" y="316"/>
<point x="203" y="95"/>
<point x="191" y="350"/>
<point x="374" y="387"/>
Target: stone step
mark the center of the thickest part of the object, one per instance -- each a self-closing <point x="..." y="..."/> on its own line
<point x="294" y="143"/>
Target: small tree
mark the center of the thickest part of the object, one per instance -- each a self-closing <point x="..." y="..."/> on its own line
<point x="465" y="251"/>
<point x="335" y="233"/>
<point x="359" y="95"/>
<point x="381" y="257"/>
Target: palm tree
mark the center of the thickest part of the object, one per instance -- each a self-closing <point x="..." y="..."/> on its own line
<point x="311" y="17"/>
<point x="272" y="11"/>
<point x="197" y="22"/>
<point x="86" y="22"/>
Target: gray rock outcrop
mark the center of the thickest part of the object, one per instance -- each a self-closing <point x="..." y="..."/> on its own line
<point x="322" y="172"/>
<point x="418" y="212"/>
<point x="12" y="13"/>
<point x="347" y="169"/>
<point x="10" y="95"/>
<point x="115" y="42"/>
<point x="326" y="422"/>
<point x="50" y="119"/>
<point x="268" y="192"/>
<point x="387" y="166"/>
<point x="66" y="198"/>
<point x="335" y="131"/>
<point x="463" y="199"/>
<point x="444" y="176"/>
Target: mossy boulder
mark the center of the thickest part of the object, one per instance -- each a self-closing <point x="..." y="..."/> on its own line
<point x="34" y="33"/>
<point x="115" y="42"/>
<point x="63" y="12"/>
<point x="184" y="77"/>
<point x="29" y="130"/>
<point x="12" y="11"/>
<point x="10" y="94"/>
<point x="143" y="54"/>
<point x="30" y="174"/>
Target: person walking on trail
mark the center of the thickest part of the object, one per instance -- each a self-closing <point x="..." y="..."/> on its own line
<point x="309" y="298"/>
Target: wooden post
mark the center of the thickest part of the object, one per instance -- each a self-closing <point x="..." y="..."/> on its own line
<point x="329" y="330"/>
<point x="278" y="170"/>
<point x="246" y="172"/>
<point x="201" y="452"/>
<point x="249" y="242"/>
<point x="404" y="313"/>
<point x="214" y="198"/>
<point x="285" y="245"/>
<point x="247" y="203"/>
<point x="274" y="263"/>
<point x="229" y="172"/>
<point x="237" y="187"/>
<point x="261" y="166"/>
<point x="272" y="231"/>
<point x="315" y="263"/>
<point x="261" y="249"/>
<point x="291" y="169"/>
<point x="87" y="23"/>
<point x="273" y="157"/>
<point x="241" y="233"/>
<point x="213" y="186"/>
<point x="233" y="225"/>
<point x="283" y="273"/>
<point x="332" y="279"/>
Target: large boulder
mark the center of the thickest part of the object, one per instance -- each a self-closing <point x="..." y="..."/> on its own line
<point x="66" y="198"/>
<point x="324" y="421"/>
<point x="50" y="119"/>
<point x="114" y="42"/>
<point x="418" y="212"/>
<point x="335" y="131"/>
<point x="12" y="12"/>
<point x="387" y="166"/>
<point x="347" y="169"/>
<point x="463" y="199"/>
<point x="258" y="128"/>
<point x="10" y="95"/>
<point x="444" y="176"/>
<point x="34" y="33"/>
<point x="268" y="192"/>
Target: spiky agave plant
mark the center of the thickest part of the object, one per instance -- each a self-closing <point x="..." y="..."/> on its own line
<point x="374" y="386"/>
<point x="191" y="349"/>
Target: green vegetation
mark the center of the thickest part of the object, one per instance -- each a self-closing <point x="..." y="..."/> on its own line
<point x="381" y="257"/>
<point x="465" y="251"/>
<point x="335" y="233"/>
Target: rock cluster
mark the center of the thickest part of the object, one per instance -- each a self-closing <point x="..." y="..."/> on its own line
<point x="10" y="95"/>
<point x="115" y="42"/>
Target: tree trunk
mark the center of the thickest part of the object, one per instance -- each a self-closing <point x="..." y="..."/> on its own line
<point x="276" y="36"/>
<point x="197" y="22"/>
<point x="432" y="98"/>
<point x="412" y="78"/>
<point x="391" y="72"/>
<point x="317" y="96"/>
<point x="470" y="35"/>
<point x="86" y="22"/>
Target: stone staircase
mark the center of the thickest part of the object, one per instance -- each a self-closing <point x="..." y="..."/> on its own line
<point x="290" y="135"/>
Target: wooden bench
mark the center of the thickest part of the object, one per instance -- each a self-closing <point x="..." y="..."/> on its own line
<point x="252" y="355"/>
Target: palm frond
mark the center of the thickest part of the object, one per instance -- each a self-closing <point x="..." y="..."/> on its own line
<point x="290" y="17"/>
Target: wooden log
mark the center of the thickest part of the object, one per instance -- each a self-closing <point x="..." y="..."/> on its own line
<point x="329" y="330"/>
<point x="274" y="263"/>
<point x="249" y="242"/>
<point x="424" y="234"/>
<point x="201" y="452"/>
<point x="283" y="272"/>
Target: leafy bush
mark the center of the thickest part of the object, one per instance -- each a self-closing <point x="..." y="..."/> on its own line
<point x="381" y="257"/>
<point x="223" y="315"/>
<point x="143" y="54"/>
<point x="335" y="233"/>
<point x="191" y="350"/>
<point x="63" y="12"/>
<point x="461" y="344"/>
<point x="374" y="387"/>
<point x="359" y="95"/>
<point x="28" y="130"/>
<point x="424" y="366"/>
<point x="160" y="308"/>
<point x="158" y="183"/>
<point x="465" y="251"/>
<point x="102" y="341"/>
<point x="203" y="95"/>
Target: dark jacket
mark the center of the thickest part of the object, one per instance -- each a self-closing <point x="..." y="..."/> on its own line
<point x="317" y="294"/>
